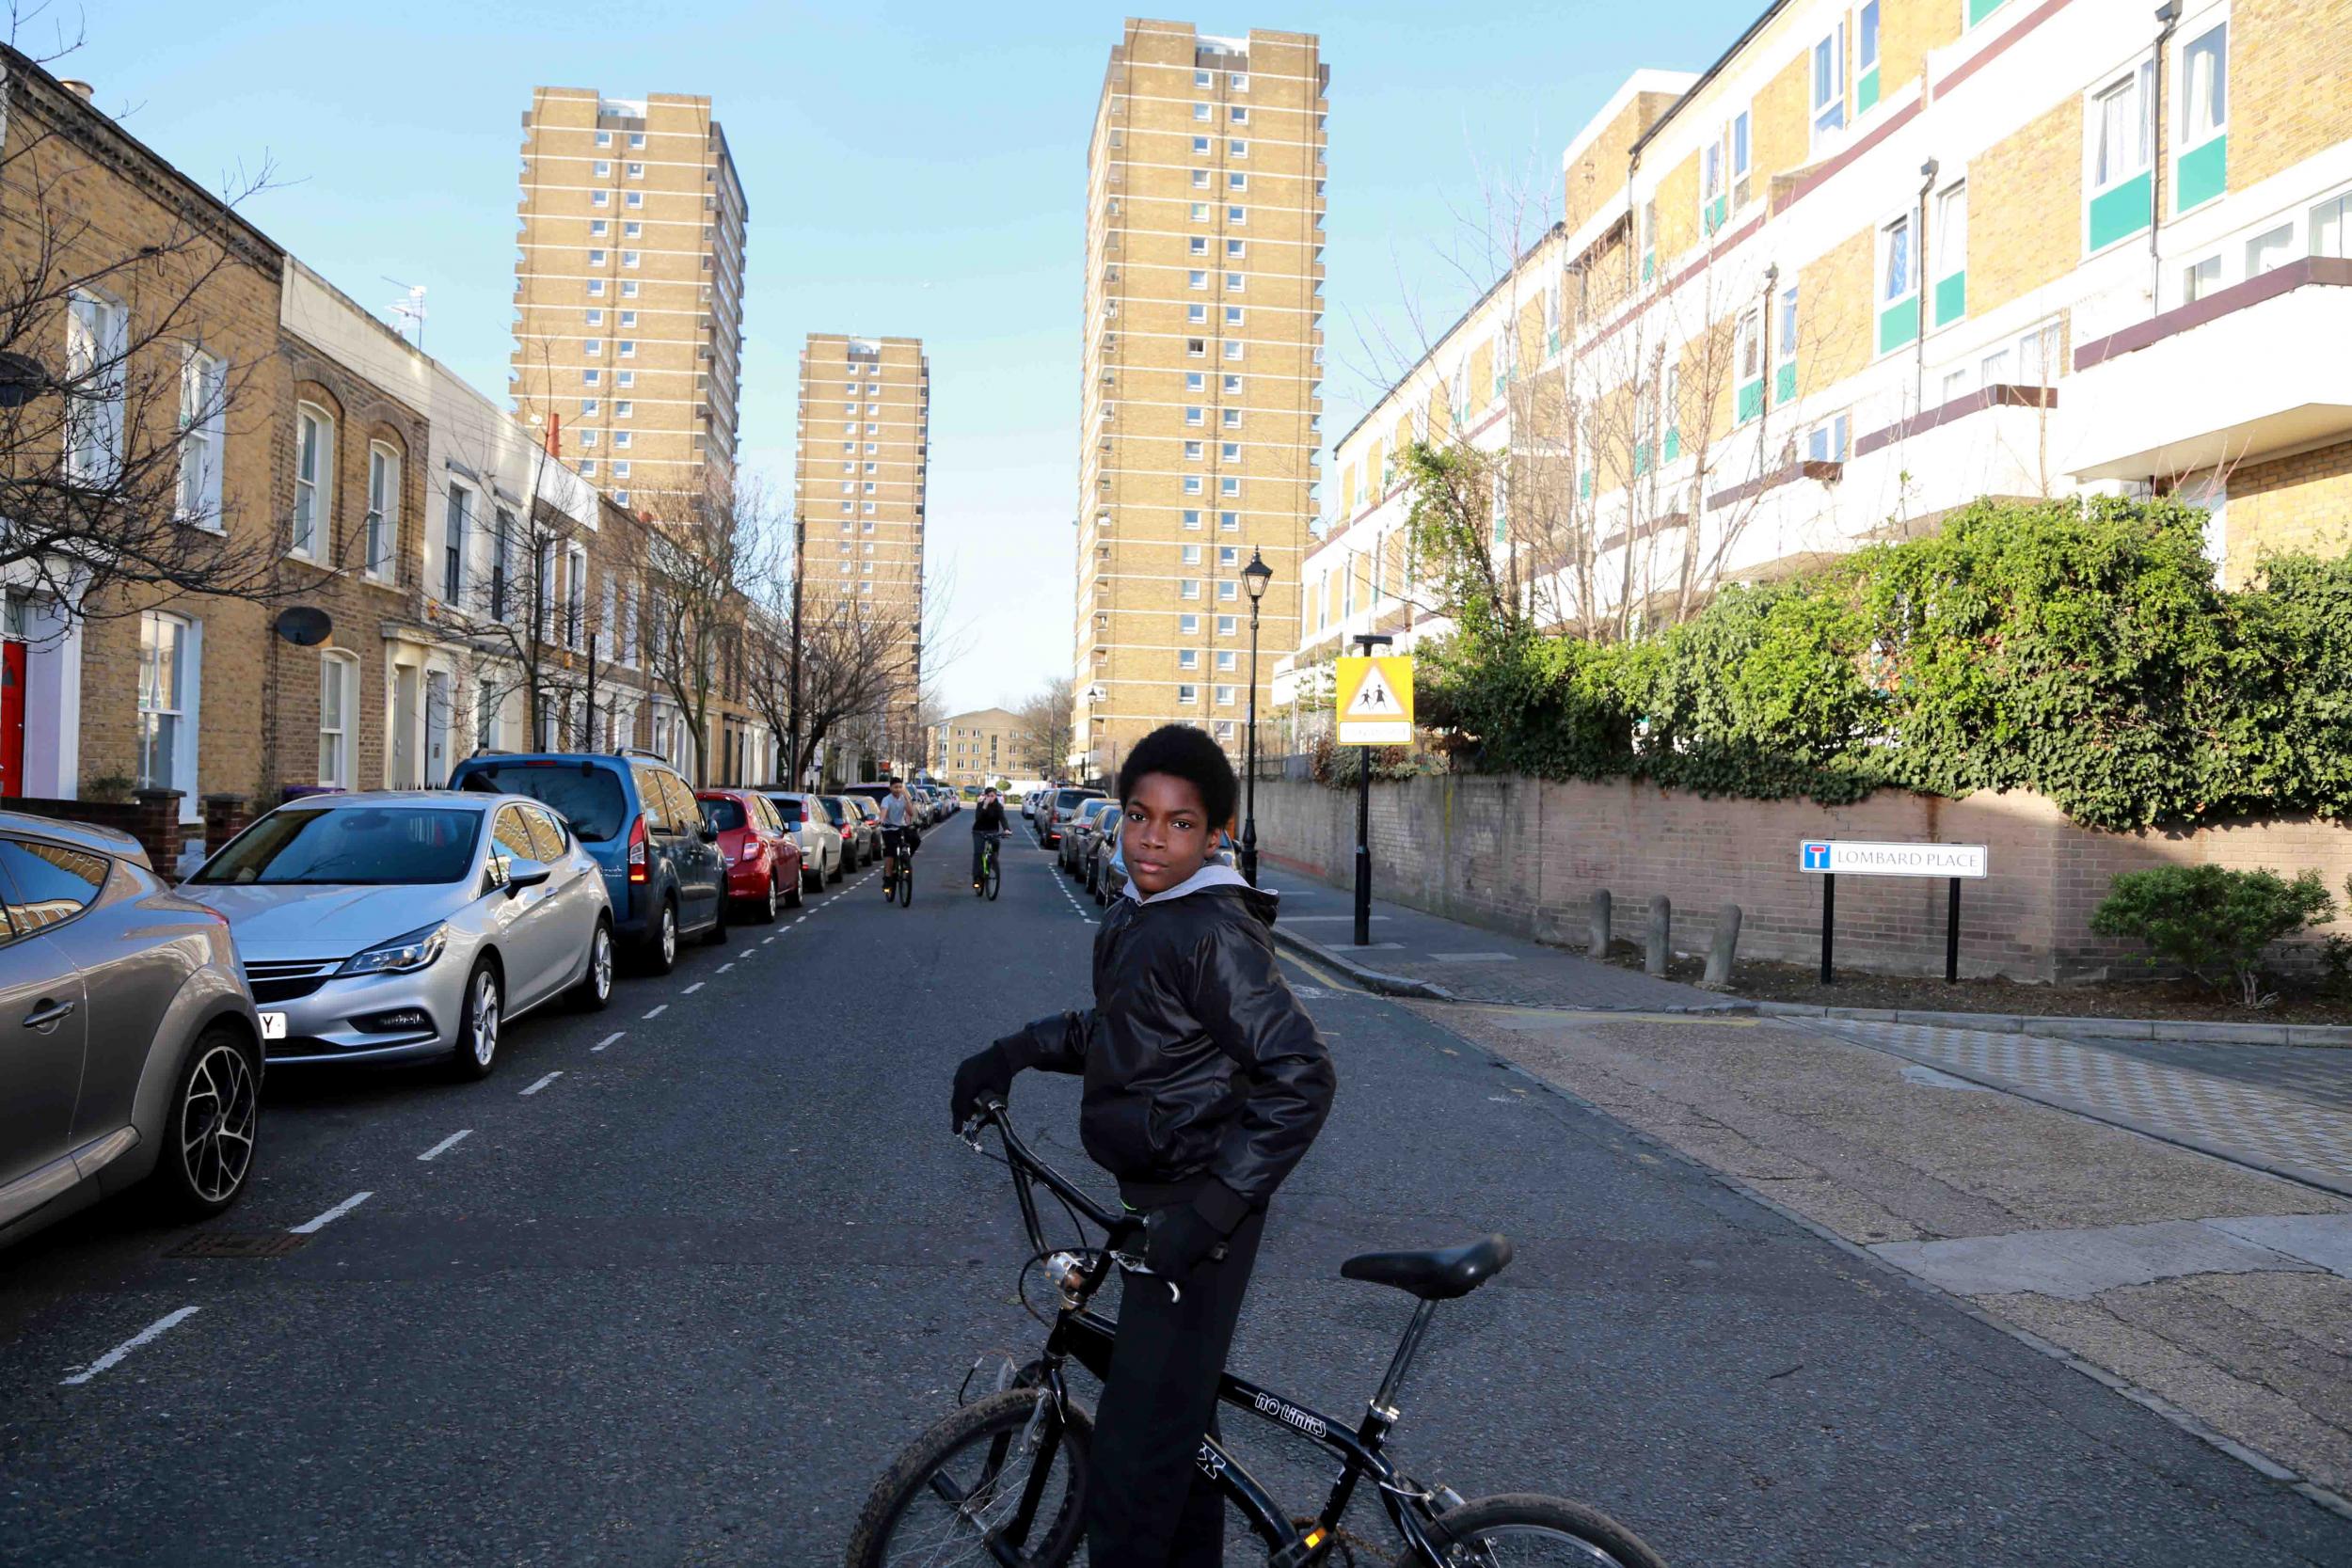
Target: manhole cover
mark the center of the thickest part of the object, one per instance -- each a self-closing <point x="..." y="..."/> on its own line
<point x="230" y="1244"/>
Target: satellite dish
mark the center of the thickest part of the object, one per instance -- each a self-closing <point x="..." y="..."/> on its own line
<point x="303" y="625"/>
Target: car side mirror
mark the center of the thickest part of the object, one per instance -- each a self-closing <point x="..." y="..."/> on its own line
<point x="522" y="872"/>
<point x="707" y="833"/>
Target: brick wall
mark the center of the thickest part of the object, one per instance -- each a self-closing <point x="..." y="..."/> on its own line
<point x="2303" y="502"/>
<point x="2033" y="179"/>
<point x="2281" y="51"/>
<point x="1524" y="856"/>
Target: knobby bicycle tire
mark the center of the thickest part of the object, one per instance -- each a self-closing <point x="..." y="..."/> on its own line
<point x="1590" y="1537"/>
<point x="987" y="1431"/>
<point x="996" y="876"/>
<point x="906" y="881"/>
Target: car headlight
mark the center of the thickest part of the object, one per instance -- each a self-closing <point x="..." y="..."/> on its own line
<point x="403" y="955"/>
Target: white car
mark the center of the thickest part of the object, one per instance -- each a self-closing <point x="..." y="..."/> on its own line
<point x="807" y="822"/>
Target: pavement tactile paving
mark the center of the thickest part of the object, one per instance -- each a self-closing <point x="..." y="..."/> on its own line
<point x="2276" y="1124"/>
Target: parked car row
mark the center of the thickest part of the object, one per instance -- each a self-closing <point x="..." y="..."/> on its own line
<point x="1088" y="849"/>
<point x="1056" y="807"/>
<point x="393" y="926"/>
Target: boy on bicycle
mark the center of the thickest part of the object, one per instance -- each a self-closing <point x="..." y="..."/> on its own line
<point x="1205" y="1083"/>
<point x="988" y="821"/>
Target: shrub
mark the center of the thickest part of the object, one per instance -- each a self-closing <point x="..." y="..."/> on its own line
<point x="2213" y="921"/>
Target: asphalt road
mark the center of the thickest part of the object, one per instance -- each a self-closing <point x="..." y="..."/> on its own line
<point x="681" y="1303"/>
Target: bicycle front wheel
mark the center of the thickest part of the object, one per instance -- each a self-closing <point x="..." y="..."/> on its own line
<point x="995" y="878"/>
<point x="1520" y="1529"/>
<point x="1002" y="1479"/>
<point x="906" y="881"/>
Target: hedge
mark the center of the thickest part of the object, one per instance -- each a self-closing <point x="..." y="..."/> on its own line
<point x="2078" y="648"/>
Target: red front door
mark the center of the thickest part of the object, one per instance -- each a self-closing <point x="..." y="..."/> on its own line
<point x="12" y="719"/>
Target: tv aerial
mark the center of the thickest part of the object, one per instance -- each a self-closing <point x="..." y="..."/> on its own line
<point x="409" y="312"/>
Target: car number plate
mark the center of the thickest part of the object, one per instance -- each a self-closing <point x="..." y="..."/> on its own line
<point x="272" y="1026"/>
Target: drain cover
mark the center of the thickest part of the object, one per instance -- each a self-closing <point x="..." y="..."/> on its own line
<point x="233" y="1243"/>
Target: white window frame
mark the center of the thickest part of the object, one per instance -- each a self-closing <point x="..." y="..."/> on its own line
<point x="339" y="746"/>
<point x="203" y="429"/>
<point x="1826" y="117"/>
<point x="379" y="537"/>
<point x="98" y="329"/>
<point x="2188" y="133"/>
<point x="1907" y="223"/>
<point x="311" y="538"/>
<point x="2138" y="78"/>
<point x="182" y="714"/>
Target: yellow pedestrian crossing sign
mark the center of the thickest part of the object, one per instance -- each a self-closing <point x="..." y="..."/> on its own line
<point x="1376" y="705"/>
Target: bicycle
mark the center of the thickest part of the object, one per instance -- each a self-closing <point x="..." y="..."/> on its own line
<point x="990" y="880"/>
<point x="1002" y="1479"/>
<point x="898" y="867"/>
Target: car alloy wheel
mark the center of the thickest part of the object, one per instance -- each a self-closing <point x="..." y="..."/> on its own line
<point x="772" y="901"/>
<point x="595" y="987"/>
<point x="216" y="1121"/>
<point x="482" y="1033"/>
<point x="669" y="934"/>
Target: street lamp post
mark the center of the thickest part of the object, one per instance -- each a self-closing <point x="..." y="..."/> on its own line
<point x="1254" y="577"/>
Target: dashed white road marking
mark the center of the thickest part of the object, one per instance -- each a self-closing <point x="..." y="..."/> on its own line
<point x="659" y="1011"/>
<point x="154" y="1331"/>
<point x="692" y="989"/>
<point x="541" y="1083"/>
<point x="612" y="1038"/>
<point x="312" y="1228"/>
<point x="724" y="967"/>
<point x="765" y="940"/>
<point x="447" y="1144"/>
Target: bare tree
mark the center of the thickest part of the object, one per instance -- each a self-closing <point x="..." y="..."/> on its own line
<point x="1042" y="739"/>
<point x="694" y="565"/>
<point x="114" y="400"/>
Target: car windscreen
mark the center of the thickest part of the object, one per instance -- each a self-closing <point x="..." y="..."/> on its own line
<point x="350" y="847"/>
<point x="835" y="810"/>
<point x="1067" y="799"/>
<point x="588" y="799"/>
<point x="787" y="808"/>
<point x="727" y="813"/>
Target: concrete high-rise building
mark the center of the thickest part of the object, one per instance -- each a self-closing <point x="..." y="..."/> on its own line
<point x="628" y="291"/>
<point x="858" y="491"/>
<point x="1201" y="406"/>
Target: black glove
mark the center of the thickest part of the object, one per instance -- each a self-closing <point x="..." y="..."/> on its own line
<point x="1178" y="1240"/>
<point x="984" y="1075"/>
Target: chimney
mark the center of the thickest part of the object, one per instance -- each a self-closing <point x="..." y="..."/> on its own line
<point x="79" y="88"/>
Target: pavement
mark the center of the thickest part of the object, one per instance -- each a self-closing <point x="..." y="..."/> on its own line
<point x="676" y="1283"/>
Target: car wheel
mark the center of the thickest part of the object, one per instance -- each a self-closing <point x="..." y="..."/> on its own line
<point x="837" y="872"/>
<point x="208" y="1143"/>
<point x="764" y="910"/>
<point x="717" y="935"/>
<point x="662" y="947"/>
<point x="477" y="1054"/>
<point x="811" y="876"/>
<point x="799" y="884"/>
<point x="595" y="991"/>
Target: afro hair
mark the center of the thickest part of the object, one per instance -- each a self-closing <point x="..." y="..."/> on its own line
<point x="1185" y="751"/>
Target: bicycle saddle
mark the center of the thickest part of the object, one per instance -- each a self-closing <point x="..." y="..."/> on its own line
<point x="1438" y="1275"/>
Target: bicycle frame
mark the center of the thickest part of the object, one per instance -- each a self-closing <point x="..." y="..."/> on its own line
<point x="1085" y="1336"/>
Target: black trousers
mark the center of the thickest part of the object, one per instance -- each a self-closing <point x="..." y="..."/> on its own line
<point x="1149" y="1505"/>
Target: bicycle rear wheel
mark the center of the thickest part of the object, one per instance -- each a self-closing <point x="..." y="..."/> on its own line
<point x="1520" y="1529"/>
<point x="1007" y="1472"/>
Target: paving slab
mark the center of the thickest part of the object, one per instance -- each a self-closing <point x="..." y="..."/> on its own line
<point x="2322" y="1239"/>
<point x="2076" y="1265"/>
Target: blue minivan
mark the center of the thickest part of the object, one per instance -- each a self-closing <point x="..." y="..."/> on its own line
<point x="640" y="820"/>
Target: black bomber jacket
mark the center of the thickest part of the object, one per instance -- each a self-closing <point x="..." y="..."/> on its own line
<point x="1205" y="1079"/>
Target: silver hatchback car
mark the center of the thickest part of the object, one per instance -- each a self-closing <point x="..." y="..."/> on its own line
<point x="408" y="924"/>
<point x="132" y="1049"/>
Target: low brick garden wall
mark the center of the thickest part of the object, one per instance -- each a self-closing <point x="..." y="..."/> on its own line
<point x="1525" y="856"/>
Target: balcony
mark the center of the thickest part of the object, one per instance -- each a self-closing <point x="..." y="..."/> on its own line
<point x="2231" y="378"/>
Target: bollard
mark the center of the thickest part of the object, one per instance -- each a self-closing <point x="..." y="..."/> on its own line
<point x="1598" y="943"/>
<point x="1662" y="912"/>
<point x="1725" y="950"/>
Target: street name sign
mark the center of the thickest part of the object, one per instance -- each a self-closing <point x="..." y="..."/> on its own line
<point x="1845" y="857"/>
<point x="1375" y="700"/>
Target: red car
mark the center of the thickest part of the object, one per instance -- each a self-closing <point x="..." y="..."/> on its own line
<point x="763" y="858"/>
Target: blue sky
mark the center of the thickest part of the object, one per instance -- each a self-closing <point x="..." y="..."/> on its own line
<point x="914" y="169"/>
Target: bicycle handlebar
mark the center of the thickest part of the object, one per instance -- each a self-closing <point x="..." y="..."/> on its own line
<point x="1025" y="1164"/>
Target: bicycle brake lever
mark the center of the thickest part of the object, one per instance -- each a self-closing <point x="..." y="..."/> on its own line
<point x="1136" y="1265"/>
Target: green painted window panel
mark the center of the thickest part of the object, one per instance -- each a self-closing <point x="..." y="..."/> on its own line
<point x="2121" y="213"/>
<point x="1898" y="325"/>
<point x="1952" y="298"/>
<point x="1649" y="265"/>
<point x="1785" y="382"/>
<point x="1751" y="401"/>
<point x="1584" y="484"/>
<point x="1674" y="444"/>
<point x="2204" y="173"/>
<point x="1866" y="91"/>
<point x="1980" y="10"/>
<point x="1641" y="458"/>
<point x="1716" y="212"/>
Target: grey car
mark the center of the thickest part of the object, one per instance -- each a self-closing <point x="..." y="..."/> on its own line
<point x="410" y="925"/>
<point x="132" y="1051"/>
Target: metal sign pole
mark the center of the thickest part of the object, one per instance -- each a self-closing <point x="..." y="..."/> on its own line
<point x="1365" y="643"/>
<point x="1828" y="920"/>
<point x="1951" y="937"/>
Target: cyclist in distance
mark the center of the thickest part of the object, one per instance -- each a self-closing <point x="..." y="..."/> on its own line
<point x="988" y="820"/>
<point x="897" y="821"/>
<point x="1205" y="1084"/>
